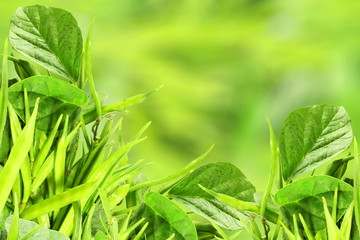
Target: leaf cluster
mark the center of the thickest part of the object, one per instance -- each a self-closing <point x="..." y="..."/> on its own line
<point x="68" y="175"/>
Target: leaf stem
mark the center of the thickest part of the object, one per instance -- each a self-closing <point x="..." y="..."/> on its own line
<point x="185" y="170"/>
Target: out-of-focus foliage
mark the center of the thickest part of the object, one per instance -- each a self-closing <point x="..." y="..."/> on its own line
<point x="225" y="66"/>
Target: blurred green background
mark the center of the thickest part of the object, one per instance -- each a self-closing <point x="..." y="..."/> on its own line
<point x="225" y="66"/>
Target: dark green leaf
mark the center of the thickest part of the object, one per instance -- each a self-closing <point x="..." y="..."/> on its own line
<point x="305" y="197"/>
<point x="50" y="37"/>
<point x="312" y="136"/>
<point x="165" y="218"/>
<point x="219" y="177"/>
<point x="56" y="97"/>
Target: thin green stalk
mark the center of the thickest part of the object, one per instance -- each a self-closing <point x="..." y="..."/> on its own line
<point x="14" y="227"/>
<point x="44" y="151"/>
<point x="274" y="156"/>
<point x="60" y="156"/>
<point x="183" y="171"/>
<point x="77" y="221"/>
<point x="357" y="184"/>
<point x="241" y="205"/>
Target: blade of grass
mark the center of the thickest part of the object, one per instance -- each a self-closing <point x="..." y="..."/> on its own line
<point x="345" y="228"/>
<point x="77" y="221"/>
<point x="308" y="233"/>
<point x="241" y="205"/>
<point x="60" y="156"/>
<point x="296" y="228"/>
<point x="277" y="228"/>
<point x="288" y="232"/>
<point x="58" y="201"/>
<point x="332" y="229"/>
<point x="105" y="204"/>
<point x="14" y="227"/>
<point x="17" y="155"/>
<point x="119" y="106"/>
<point x="87" y="229"/>
<point x="141" y="232"/>
<point x="44" y="151"/>
<point x="274" y="155"/>
<point x="125" y="234"/>
<point x="88" y="71"/>
<point x="183" y="171"/>
<point x="335" y="204"/>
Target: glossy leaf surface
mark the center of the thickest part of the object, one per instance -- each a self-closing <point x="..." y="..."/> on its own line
<point x="311" y="136"/>
<point x="165" y="218"/>
<point x="50" y="37"/>
<point x="31" y="230"/>
<point x="221" y="178"/>
<point x="305" y="197"/>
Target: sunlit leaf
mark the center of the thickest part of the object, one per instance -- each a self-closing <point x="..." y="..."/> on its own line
<point x="312" y="136"/>
<point x="49" y="37"/>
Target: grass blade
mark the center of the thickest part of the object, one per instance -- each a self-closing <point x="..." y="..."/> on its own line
<point x="274" y="156"/>
<point x="17" y="155"/>
<point x="332" y="229"/>
<point x="14" y="227"/>
<point x="60" y="156"/>
<point x="88" y="71"/>
<point x="44" y="151"/>
<point x="308" y="233"/>
<point x="58" y="201"/>
<point x="183" y="171"/>
<point x="77" y="221"/>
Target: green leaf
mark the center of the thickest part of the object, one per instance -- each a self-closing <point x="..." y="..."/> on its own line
<point x="165" y="218"/>
<point x="26" y="229"/>
<point x="56" y="97"/>
<point x="305" y="197"/>
<point x="312" y="136"/>
<point x="219" y="177"/>
<point x="50" y="37"/>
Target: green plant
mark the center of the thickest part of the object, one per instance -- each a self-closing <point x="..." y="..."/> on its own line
<point x="66" y="180"/>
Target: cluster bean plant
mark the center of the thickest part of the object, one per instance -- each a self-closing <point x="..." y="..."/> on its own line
<point x="65" y="171"/>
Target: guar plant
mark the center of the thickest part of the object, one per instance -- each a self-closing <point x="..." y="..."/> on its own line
<point x="65" y="172"/>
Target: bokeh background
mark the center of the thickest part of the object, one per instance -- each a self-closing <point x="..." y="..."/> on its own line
<point x="225" y="66"/>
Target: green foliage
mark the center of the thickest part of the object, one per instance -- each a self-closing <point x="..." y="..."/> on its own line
<point x="165" y="218"/>
<point x="220" y="177"/>
<point x="68" y="172"/>
<point x="312" y="136"/>
<point x="56" y="97"/>
<point x="49" y="37"/>
<point x="305" y="197"/>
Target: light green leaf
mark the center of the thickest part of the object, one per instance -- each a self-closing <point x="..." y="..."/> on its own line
<point x="50" y="37"/>
<point x="219" y="177"/>
<point x="56" y="97"/>
<point x="165" y="218"/>
<point x="32" y="231"/>
<point x="312" y="136"/>
<point x="304" y="196"/>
